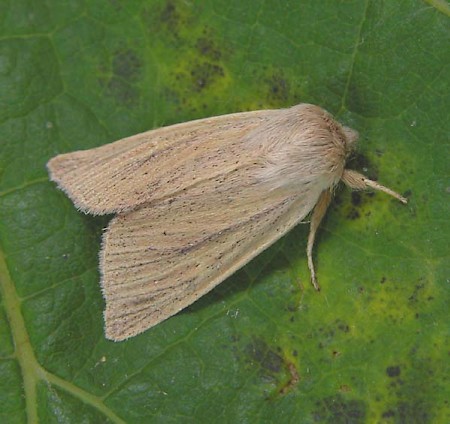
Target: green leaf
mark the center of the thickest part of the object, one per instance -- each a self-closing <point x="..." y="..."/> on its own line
<point x="372" y="346"/>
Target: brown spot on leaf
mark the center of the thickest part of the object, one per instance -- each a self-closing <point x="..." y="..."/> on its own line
<point x="293" y="381"/>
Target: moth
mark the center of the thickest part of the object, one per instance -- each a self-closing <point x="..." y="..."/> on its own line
<point x="196" y="201"/>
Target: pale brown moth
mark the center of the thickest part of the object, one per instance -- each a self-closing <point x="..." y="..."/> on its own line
<point x="197" y="201"/>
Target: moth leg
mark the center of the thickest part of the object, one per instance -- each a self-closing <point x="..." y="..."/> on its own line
<point x="317" y="215"/>
<point x="358" y="181"/>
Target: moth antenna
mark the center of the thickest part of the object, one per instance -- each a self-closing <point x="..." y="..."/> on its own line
<point x="317" y="215"/>
<point x="357" y="181"/>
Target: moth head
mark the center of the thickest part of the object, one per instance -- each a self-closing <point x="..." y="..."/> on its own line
<point x="351" y="137"/>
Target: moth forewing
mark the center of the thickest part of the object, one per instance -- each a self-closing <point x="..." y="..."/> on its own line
<point x="197" y="201"/>
<point x="155" y="164"/>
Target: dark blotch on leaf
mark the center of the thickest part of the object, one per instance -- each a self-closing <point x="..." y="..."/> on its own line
<point x="337" y="201"/>
<point x="203" y="75"/>
<point x="169" y="15"/>
<point x="409" y="412"/>
<point x="269" y="360"/>
<point x="127" y="65"/>
<point x="388" y="414"/>
<point x="393" y="371"/>
<point x="353" y="214"/>
<point x="116" y="4"/>
<point x="124" y="93"/>
<point x="417" y="292"/>
<point x="207" y="48"/>
<point x="278" y="89"/>
<point x="356" y="198"/>
<point x="337" y="410"/>
<point x="343" y="327"/>
<point x="408" y="193"/>
<point x="166" y="18"/>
